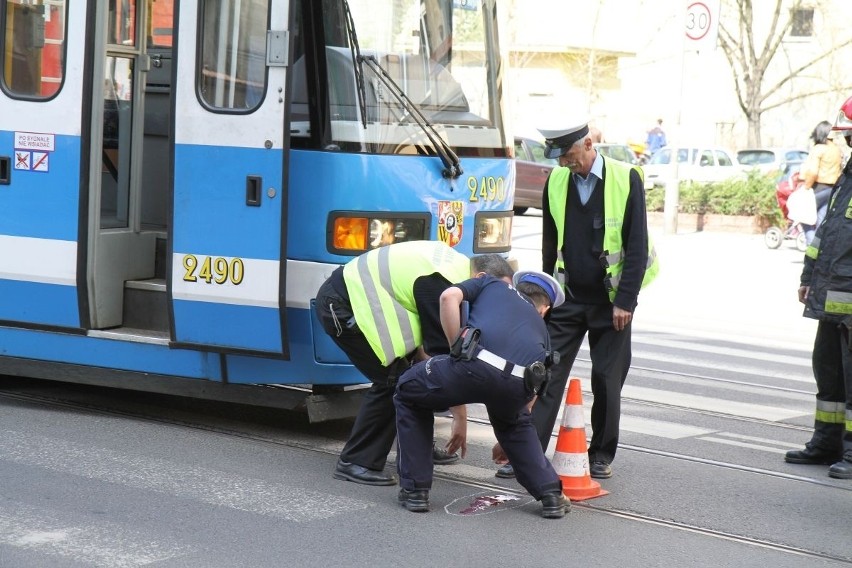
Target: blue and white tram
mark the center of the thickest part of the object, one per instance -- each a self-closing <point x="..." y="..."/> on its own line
<point x="178" y="177"/>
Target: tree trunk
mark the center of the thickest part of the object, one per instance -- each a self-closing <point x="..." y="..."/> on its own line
<point x="754" y="129"/>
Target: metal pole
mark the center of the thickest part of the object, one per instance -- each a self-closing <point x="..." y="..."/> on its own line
<point x="670" y="201"/>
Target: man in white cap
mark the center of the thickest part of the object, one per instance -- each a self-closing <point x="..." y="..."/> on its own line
<point x="595" y="242"/>
<point x="497" y="359"/>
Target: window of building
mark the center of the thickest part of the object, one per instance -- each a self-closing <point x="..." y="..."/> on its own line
<point x="32" y="48"/>
<point x="803" y="22"/>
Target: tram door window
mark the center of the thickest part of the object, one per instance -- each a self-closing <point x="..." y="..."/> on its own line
<point x="232" y="72"/>
<point x="153" y="111"/>
<point x="118" y="118"/>
<point x="156" y="128"/>
<point x="33" y="48"/>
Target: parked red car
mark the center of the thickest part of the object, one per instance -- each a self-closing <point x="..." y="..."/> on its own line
<point x="531" y="171"/>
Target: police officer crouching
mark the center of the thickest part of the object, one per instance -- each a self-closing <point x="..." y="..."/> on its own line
<point x="496" y="359"/>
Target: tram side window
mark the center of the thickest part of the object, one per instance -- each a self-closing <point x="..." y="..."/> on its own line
<point x="32" y="48"/>
<point x="232" y="61"/>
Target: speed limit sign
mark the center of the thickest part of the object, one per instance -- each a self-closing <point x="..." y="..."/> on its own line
<point x="702" y="24"/>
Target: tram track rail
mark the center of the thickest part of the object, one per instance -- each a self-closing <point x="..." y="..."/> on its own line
<point x="589" y="507"/>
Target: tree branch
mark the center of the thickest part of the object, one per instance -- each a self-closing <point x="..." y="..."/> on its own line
<point x="796" y="72"/>
<point x="801" y="96"/>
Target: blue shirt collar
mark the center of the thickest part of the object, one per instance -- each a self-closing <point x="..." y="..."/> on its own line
<point x="597" y="166"/>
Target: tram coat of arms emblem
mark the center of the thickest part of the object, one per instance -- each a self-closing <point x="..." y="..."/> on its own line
<point x="450" y="221"/>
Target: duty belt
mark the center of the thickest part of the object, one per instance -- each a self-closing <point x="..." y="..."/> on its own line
<point x="500" y="364"/>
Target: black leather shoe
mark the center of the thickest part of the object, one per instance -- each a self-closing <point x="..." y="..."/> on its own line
<point x="600" y="470"/>
<point x="841" y="470"/>
<point x="416" y="501"/>
<point x="811" y="456"/>
<point x="554" y="505"/>
<point x="505" y="472"/>
<point x="360" y="474"/>
<point x="440" y="456"/>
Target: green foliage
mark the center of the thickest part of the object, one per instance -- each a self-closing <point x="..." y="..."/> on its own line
<point x="751" y="195"/>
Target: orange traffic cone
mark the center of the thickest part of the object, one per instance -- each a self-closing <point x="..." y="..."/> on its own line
<point x="571" y="458"/>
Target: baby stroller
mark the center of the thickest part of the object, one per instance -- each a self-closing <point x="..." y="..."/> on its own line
<point x="774" y="236"/>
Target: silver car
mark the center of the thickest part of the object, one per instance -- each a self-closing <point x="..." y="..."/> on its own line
<point x="771" y="159"/>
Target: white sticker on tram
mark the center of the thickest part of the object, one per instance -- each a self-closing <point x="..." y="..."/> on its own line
<point x="225" y="280"/>
<point x="186" y="481"/>
<point x="48" y="261"/>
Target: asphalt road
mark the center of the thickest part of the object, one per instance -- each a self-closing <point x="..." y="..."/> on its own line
<point x="720" y="388"/>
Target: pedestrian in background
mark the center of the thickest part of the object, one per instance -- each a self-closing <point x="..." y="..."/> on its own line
<point x="826" y="291"/>
<point x="497" y="360"/>
<point x="381" y="309"/>
<point x="820" y="172"/>
<point x="656" y="138"/>
<point x="595" y="242"/>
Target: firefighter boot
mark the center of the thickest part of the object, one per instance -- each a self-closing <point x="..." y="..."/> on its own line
<point x="841" y="469"/>
<point x="811" y="455"/>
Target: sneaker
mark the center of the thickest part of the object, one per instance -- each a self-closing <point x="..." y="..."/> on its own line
<point x="416" y="501"/>
<point x="554" y="505"/>
<point x="440" y="456"/>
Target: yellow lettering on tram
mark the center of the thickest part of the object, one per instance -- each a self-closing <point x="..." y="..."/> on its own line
<point x="213" y="270"/>
<point x="486" y="188"/>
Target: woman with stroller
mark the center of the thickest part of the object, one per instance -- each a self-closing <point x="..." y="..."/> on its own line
<point x="820" y="172"/>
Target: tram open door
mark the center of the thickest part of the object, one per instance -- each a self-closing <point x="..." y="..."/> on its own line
<point x="191" y="198"/>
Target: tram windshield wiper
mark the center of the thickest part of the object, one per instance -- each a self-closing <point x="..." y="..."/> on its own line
<point x="356" y="63"/>
<point x="451" y="161"/>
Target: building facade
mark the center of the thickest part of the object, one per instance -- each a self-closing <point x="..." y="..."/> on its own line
<point x="625" y="65"/>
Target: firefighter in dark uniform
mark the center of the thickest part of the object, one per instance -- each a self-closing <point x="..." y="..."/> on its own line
<point x="826" y="291"/>
<point x="497" y="359"/>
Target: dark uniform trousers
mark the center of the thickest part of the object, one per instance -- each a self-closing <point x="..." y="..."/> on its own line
<point x="375" y="429"/>
<point x="832" y="363"/>
<point x="442" y="382"/>
<point x="611" y="354"/>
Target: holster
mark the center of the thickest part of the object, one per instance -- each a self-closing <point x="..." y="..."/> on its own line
<point x="464" y="347"/>
<point x="535" y="377"/>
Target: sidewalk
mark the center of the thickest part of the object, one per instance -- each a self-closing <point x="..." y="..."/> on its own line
<point x="711" y="284"/>
<point x="728" y="285"/>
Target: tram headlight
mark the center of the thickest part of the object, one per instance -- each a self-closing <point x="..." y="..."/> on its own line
<point x="493" y="231"/>
<point x="354" y="233"/>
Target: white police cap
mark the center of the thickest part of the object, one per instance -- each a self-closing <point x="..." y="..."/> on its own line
<point x="545" y="281"/>
<point x="558" y="140"/>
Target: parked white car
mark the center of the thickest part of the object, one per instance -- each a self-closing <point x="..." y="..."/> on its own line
<point x="703" y="165"/>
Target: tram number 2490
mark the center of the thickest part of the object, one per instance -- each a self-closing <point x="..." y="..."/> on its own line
<point x="211" y="270"/>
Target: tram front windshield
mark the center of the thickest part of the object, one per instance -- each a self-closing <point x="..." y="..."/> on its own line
<point x="442" y="54"/>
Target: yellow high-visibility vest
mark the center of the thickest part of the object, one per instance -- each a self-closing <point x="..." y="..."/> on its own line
<point x="380" y="284"/>
<point x="616" y="191"/>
